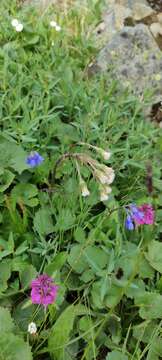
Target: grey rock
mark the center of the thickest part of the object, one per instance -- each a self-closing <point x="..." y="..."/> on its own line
<point x="134" y="59"/>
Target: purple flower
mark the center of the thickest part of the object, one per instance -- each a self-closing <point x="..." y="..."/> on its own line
<point x="44" y="291"/>
<point x="136" y="213"/>
<point x="34" y="159"/>
<point x="129" y="224"/>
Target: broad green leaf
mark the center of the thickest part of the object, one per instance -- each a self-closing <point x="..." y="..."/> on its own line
<point x="76" y="259"/>
<point x="6" y="322"/>
<point x="25" y="194"/>
<point x="14" y="347"/>
<point x="27" y="275"/>
<point x="154" y="255"/>
<point x="81" y="258"/>
<point x="65" y="220"/>
<point x="43" y="222"/>
<point x="150" y="305"/>
<point x="116" y="355"/>
<point x="25" y="312"/>
<point x="60" y="333"/>
<point x="12" y="155"/>
<point x="6" y="179"/>
<point x="56" y="264"/>
<point x="145" y="331"/>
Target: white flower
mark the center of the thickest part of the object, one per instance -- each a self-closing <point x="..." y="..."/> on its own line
<point x="32" y="328"/>
<point x="103" y="196"/>
<point x="109" y="173"/>
<point x="19" y="27"/>
<point x="105" y="154"/>
<point x="84" y="190"/>
<point x="104" y="193"/>
<point x="57" y="27"/>
<point x="101" y="177"/>
<point x="53" y="24"/>
<point x="14" y="22"/>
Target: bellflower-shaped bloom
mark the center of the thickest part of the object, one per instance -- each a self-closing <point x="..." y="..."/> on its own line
<point x="34" y="159"/>
<point x="136" y="213"/>
<point x="129" y="224"/>
<point x="140" y="215"/>
<point x="148" y="214"/>
<point x="44" y="291"/>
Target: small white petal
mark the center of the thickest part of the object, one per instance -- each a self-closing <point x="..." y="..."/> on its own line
<point x="19" y="27"/>
<point x="104" y="196"/>
<point x="85" y="192"/>
<point x="14" y="22"/>
<point x="32" y="328"/>
<point x="58" y="27"/>
<point x="106" y="154"/>
<point x="53" y="23"/>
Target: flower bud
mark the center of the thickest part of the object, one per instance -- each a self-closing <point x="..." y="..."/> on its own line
<point x="105" y="154"/>
<point x="32" y="328"/>
<point x="84" y="189"/>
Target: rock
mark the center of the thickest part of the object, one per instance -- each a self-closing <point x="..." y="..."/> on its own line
<point x="156" y="29"/>
<point x="134" y="59"/>
<point x="116" y="14"/>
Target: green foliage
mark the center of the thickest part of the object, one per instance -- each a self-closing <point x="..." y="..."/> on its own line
<point x="60" y="333"/>
<point x="13" y="346"/>
<point x="109" y="302"/>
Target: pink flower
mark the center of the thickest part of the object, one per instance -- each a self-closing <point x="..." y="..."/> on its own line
<point x="44" y="291"/>
<point x="148" y="213"/>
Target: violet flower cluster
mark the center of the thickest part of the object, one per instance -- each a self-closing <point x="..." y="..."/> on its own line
<point x="44" y="291"/>
<point x="139" y="215"/>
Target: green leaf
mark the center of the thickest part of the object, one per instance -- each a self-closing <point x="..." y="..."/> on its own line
<point x="6" y="179"/>
<point x="12" y="155"/>
<point x="5" y="273"/>
<point x="154" y="255"/>
<point x="13" y="347"/>
<point x="25" y="194"/>
<point x="65" y="220"/>
<point x="60" y="333"/>
<point x="81" y="258"/>
<point x="43" y="222"/>
<point x="25" y="312"/>
<point x="116" y="355"/>
<point x="6" y="322"/>
<point x="27" y="275"/>
<point x="145" y="331"/>
<point x="150" y="305"/>
<point x="76" y="259"/>
<point x="56" y="264"/>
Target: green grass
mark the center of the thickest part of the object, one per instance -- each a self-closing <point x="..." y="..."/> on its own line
<point x="110" y="286"/>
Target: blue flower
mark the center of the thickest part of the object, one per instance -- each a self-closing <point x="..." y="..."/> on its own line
<point x="34" y="159"/>
<point x="137" y="214"/>
<point x="129" y="224"/>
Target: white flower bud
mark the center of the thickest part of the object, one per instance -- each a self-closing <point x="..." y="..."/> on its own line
<point x="53" y="24"/>
<point x="32" y="328"/>
<point x="57" y="27"/>
<point x="104" y="192"/>
<point x="105" y="154"/>
<point x="14" y="22"/>
<point x="84" y="190"/>
<point x="103" y="196"/>
<point x="19" y="27"/>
